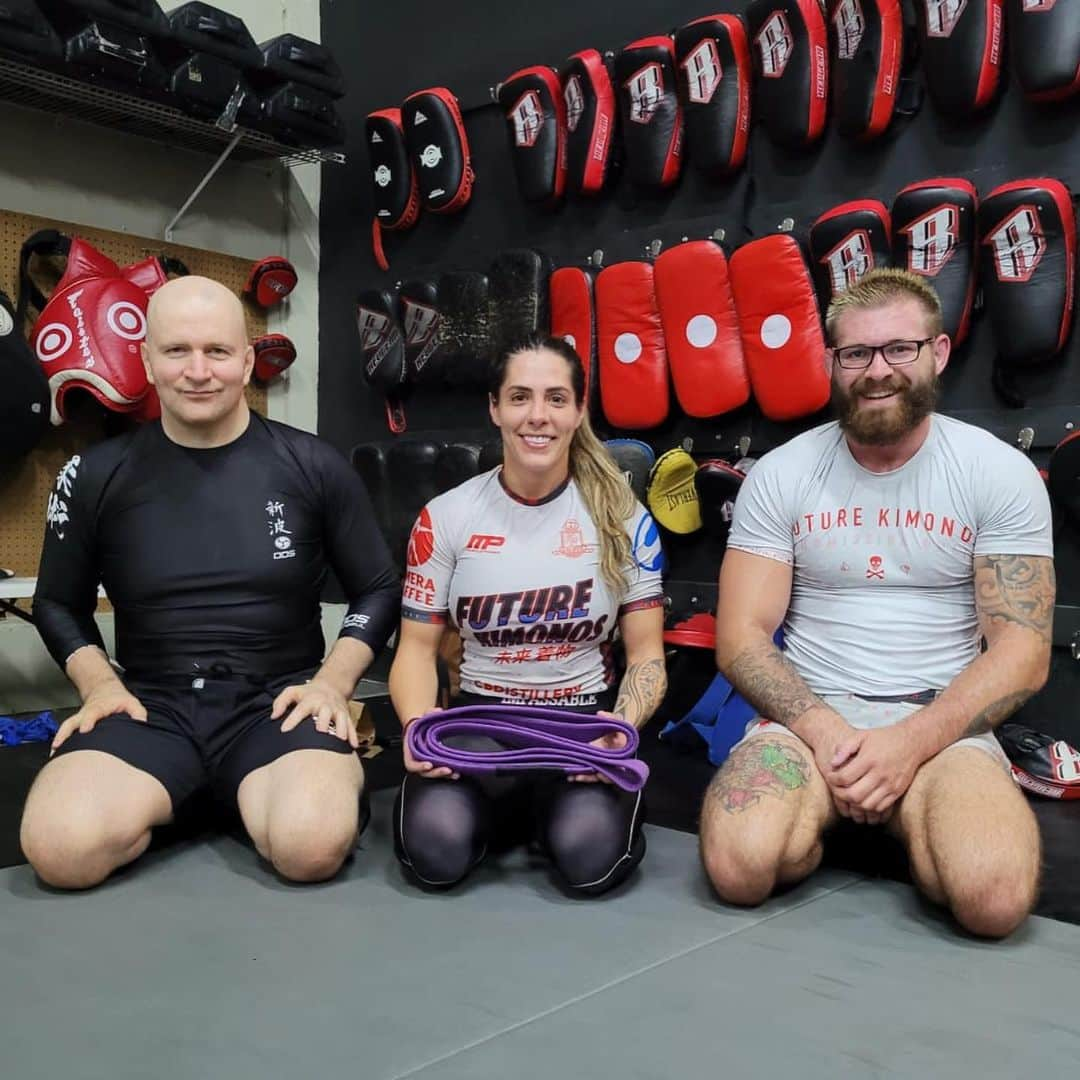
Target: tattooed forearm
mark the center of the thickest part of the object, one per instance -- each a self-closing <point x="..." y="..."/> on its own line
<point x="989" y="718"/>
<point x="769" y="681"/>
<point x="760" y="767"/>
<point x="641" y="691"/>
<point x="1016" y="589"/>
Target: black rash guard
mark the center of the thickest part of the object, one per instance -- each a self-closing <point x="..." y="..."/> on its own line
<point x="212" y="556"/>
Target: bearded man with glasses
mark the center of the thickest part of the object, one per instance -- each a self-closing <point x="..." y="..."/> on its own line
<point x="908" y="557"/>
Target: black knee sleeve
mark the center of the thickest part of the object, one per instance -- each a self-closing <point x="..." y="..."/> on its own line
<point x="440" y="829"/>
<point x="593" y="836"/>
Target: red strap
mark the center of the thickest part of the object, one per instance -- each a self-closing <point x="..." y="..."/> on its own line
<point x="376" y="245"/>
<point x="395" y="416"/>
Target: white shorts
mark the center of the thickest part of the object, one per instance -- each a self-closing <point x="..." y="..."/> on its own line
<point x="863" y="714"/>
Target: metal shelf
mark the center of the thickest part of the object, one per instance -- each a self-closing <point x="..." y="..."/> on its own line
<point x="47" y="91"/>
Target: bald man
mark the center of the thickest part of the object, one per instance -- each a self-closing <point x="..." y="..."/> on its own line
<point x="212" y="531"/>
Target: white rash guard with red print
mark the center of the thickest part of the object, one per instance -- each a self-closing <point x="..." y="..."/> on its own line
<point x="882" y="596"/>
<point x="521" y="583"/>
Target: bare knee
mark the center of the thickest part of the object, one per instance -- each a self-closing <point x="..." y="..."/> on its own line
<point x="738" y="876"/>
<point x="995" y="906"/>
<point x="745" y="869"/>
<point x="78" y="851"/>
<point x="307" y="856"/>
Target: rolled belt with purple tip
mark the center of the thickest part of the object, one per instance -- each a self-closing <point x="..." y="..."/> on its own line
<point x="531" y="737"/>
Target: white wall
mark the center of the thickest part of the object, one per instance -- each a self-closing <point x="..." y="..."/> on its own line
<point x="60" y="168"/>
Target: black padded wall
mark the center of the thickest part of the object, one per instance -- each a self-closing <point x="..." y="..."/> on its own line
<point x="392" y="50"/>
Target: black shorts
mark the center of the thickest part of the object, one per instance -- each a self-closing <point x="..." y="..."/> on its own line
<point x="202" y="732"/>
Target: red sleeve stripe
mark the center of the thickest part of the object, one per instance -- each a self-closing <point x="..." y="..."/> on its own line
<point x="641" y="605"/>
<point x="418" y="615"/>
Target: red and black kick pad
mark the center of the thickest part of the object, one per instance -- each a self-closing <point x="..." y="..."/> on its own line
<point x="418" y="301"/>
<point x="715" y="71"/>
<point x="717" y="485"/>
<point x="790" y="47"/>
<point x="1044" y="39"/>
<point x="780" y="325"/>
<point x="866" y="39"/>
<point x="573" y="318"/>
<point x="960" y="43"/>
<point x="846" y="243"/>
<point x="532" y="103"/>
<point x="649" y="111"/>
<point x="438" y="148"/>
<point x="1027" y="254"/>
<point x="269" y="281"/>
<point x="701" y="328"/>
<point x="630" y="343"/>
<point x="934" y="226"/>
<point x="382" y="351"/>
<point x="1063" y="476"/>
<point x="1040" y="763"/>
<point x="590" y="120"/>
<point x="394" y="193"/>
<point x="273" y="354"/>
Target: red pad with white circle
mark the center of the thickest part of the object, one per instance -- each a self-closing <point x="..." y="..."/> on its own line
<point x="701" y="329"/>
<point x="573" y="316"/>
<point x="782" y="337"/>
<point x="88" y="334"/>
<point x="630" y="343"/>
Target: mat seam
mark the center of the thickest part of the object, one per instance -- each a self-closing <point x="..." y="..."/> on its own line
<point x="612" y="983"/>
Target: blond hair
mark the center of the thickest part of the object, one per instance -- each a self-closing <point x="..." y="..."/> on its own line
<point x="609" y="499"/>
<point x="881" y="287"/>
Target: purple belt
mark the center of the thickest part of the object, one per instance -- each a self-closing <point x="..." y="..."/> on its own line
<point x="532" y="737"/>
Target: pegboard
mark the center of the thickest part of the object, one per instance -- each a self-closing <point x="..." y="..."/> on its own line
<point x="24" y="487"/>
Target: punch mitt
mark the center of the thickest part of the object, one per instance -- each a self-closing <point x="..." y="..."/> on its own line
<point x="274" y="353"/>
<point x="439" y="149"/>
<point x="672" y="496"/>
<point x="269" y="281"/>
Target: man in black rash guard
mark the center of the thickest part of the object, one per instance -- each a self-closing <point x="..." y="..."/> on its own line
<point x="212" y="532"/>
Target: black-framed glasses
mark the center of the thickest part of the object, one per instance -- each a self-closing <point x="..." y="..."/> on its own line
<point x="896" y="353"/>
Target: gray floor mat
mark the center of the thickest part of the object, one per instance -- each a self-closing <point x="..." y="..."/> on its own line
<point x="198" y="963"/>
<point x="865" y="982"/>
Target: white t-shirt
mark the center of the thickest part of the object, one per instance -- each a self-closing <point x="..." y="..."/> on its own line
<point x="882" y="598"/>
<point x="521" y="583"/>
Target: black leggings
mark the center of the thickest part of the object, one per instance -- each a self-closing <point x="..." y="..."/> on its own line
<point x="591" y="832"/>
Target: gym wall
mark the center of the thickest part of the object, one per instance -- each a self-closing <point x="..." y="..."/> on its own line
<point x="473" y="46"/>
<point x="66" y="170"/>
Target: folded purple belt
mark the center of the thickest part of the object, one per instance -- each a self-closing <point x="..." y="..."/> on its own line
<point x="532" y="737"/>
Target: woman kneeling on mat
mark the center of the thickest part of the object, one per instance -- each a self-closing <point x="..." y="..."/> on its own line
<point x="535" y="564"/>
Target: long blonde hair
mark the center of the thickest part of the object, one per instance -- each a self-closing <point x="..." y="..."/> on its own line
<point x="604" y="490"/>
